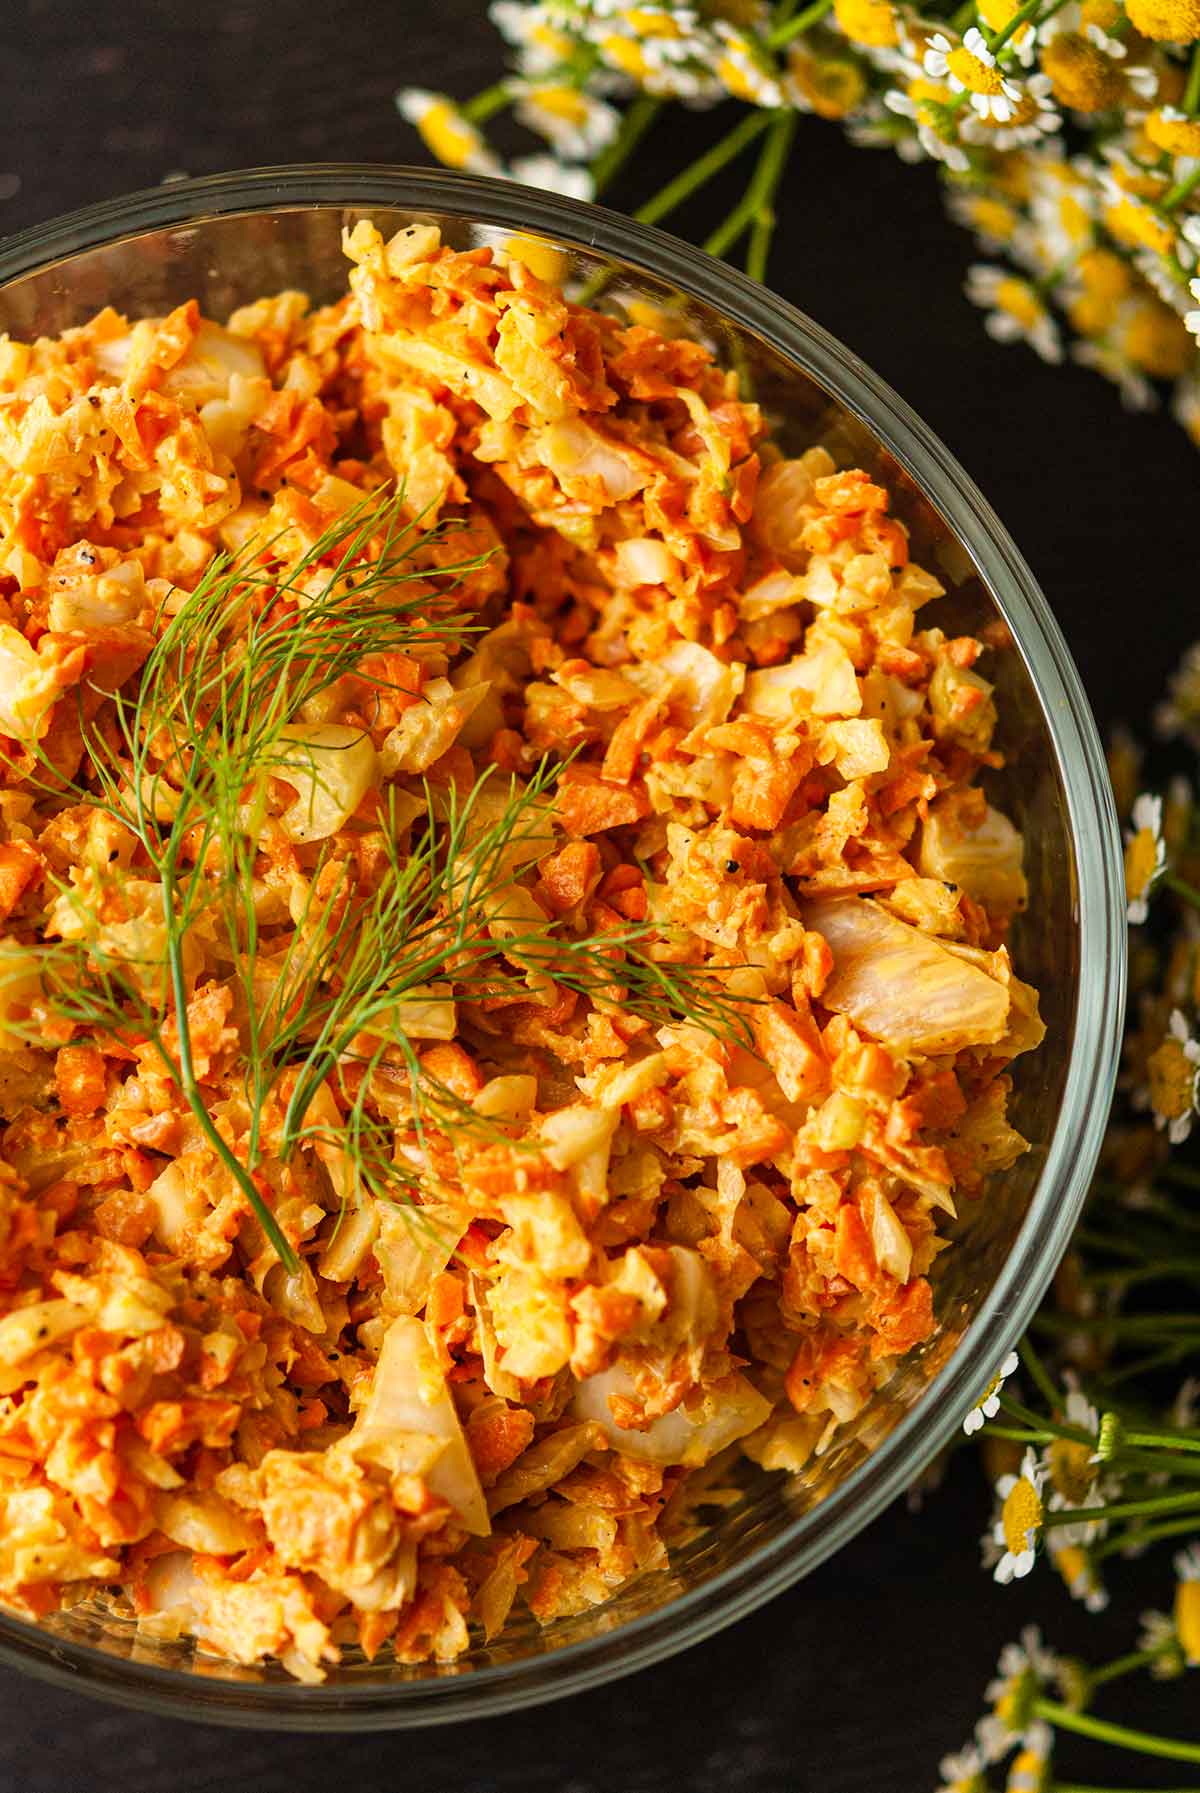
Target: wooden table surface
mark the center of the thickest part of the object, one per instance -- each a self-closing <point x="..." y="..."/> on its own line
<point x="861" y="1677"/>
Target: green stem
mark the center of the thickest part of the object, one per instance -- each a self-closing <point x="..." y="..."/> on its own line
<point x="1038" y="1423"/>
<point x="774" y="159"/>
<point x="1171" y="1749"/>
<point x="996" y="40"/>
<point x="1149" y="1534"/>
<point x="636" y="122"/>
<point x="191" y="1089"/>
<point x="1172" y="880"/>
<point x="762" y="184"/>
<point x="1191" y="93"/>
<point x="490" y="101"/>
<point x="1180" y="1441"/>
<point x="1037" y="1369"/>
<point x="1018" y="1436"/>
<point x="1079" y="1787"/>
<point x="1125" y="1509"/>
<point x="1123" y="1665"/>
<point x="784" y="34"/>
<point x="1176" y="196"/>
<point x="703" y="169"/>
<point x="1131" y="1325"/>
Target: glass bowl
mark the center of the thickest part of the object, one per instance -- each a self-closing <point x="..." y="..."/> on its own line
<point x="234" y="237"/>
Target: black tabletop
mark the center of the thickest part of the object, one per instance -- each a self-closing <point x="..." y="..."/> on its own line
<point x="858" y="1680"/>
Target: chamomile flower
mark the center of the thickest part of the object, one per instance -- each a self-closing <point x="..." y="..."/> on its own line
<point x="1145" y="856"/>
<point x="1176" y="132"/>
<point x="1172" y="1089"/>
<point x="1187" y="1603"/>
<point x="1179" y="713"/>
<point x="971" y="68"/>
<point x="739" y="69"/>
<point x="1025" y="1671"/>
<point x="553" y="176"/>
<point x="446" y="132"/>
<point x="1079" y="1573"/>
<point x="1191" y="319"/>
<point x="1015" y="309"/>
<point x="575" y="124"/>
<point x="988" y="1405"/>
<point x="962" y="1772"/>
<point x="1186" y="1405"/>
<point x="534" y="31"/>
<point x="1018" y="1524"/>
<point x="1029" y="1769"/>
<point x="1172" y="21"/>
<point x="1033" y="115"/>
<point x="924" y="103"/>
<point x="1137" y="394"/>
<point x="1158" y="1634"/>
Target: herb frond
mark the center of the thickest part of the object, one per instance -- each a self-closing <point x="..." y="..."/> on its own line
<point x="388" y="927"/>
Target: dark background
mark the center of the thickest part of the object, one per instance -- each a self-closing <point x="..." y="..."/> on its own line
<point x="858" y="1680"/>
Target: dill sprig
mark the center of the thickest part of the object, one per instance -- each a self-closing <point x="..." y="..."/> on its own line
<point x="184" y="761"/>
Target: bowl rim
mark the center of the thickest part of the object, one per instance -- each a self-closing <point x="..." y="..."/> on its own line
<point x="1099" y="1005"/>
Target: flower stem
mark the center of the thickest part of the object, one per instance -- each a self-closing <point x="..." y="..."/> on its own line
<point x="1037" y="1369"/>
<point x="1123" y="1665"/>
<point x="997" y="39"/>
<point x="1148" y="1534"/>
<point x="762" y="185"/>
<point x="488" y="102"/>
<point x="1078" y="1787"/>
<point x="783" y="34"/>
<point x="1191" y="93"/>
<point x="1172" y="1749"/>
<point x="703" y="168"/>
<point x="1126" y="1509"/>
<point x="763" y="189"/>
<point x="636" y="122"/>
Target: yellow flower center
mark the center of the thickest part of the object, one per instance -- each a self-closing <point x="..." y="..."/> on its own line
<point x="1081" y="75"/>
<point x="1172" y="1078"/>
<point x="832" y="87"/>
<point x="625" y="54"/>
<point x="1074" y="218"/>
<point x="1020" y="301"/>
<point x="1021" y="1516"/>
<point x="975" y="76"/>
<point x="447" y="135"/>
<point x="1140" y="228"/>
<point x="929" y="97"/>
<point x="992" y="216"/>
<point x="651" y="24"/>
<point x="867" y="22"/>
<point x="1156" y="340"/>
<point x="1105" y="275"/>
<point x="1103" y="13"/>
<point x="554" y="43"/>
<point x="1170" y="21"/>
<point x="566" y="103"/>
<point x="1070" y="1469"/>
<point x="739" y="76"/>
<point x="1012" y="1707"/>
<point x="1187" y="1621"/>
<point x="1178" y="136"/>
<point x="1141" y="863"/>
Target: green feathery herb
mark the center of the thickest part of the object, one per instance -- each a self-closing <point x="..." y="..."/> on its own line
<point x="184" y="762"/>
